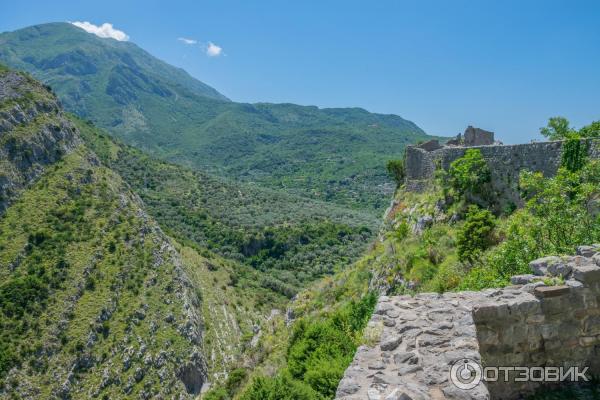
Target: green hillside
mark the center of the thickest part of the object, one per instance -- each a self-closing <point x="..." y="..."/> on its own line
<point x="292" y="240"/>
<point x="328" y="154"/>
<point x="94" y="298"/>
<point x="84" y="221"/>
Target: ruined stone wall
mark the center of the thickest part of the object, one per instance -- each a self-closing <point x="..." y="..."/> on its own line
<point x="418" y="339"/>
<point x="505" y="162"/>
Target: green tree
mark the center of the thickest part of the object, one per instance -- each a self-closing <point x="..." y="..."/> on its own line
<point x="470" y="173"/>
<point x="396" y="170"/>
<point x="590" y="131"/>
<point x="557" y="129"/>
<point x="560" y="213"/>
<point x="476" y="235"/>
<point x="574" y="155"/>
<point x="280" y="387"/>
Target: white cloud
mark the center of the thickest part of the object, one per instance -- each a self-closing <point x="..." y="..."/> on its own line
<point x="187" y="41"/>
<point x="212" y="50"/>
<point x="105" y="30"/>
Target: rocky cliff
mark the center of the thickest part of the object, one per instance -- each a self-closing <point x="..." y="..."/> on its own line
<point x="33" y="133"/>
<point x="94" y="299"/>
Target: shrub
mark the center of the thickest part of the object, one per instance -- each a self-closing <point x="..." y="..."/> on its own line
<point x="560" y="213"/>
<point x="396" y="170"/>
<point x="574" y="153"/>
<point x="590" y="131"/>
<point x="470" y="173"/>
<point x="235" y="380"/>
<point x="21" y="295"/>
<point x="280" y="387"/>
<point x="476" y="235"/>
<point x="320" y="350"/>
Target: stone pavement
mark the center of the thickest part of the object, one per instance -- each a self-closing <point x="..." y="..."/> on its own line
<point x="418" y="339"/>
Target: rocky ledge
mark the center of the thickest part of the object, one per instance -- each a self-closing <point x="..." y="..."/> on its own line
<point x="416" y="340"/>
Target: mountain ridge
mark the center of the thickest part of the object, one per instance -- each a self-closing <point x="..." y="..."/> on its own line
<point x="87" y="277"/>
<point x="331" y="154"/>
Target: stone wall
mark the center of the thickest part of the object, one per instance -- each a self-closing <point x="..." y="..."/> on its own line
<point x="418" y="339"/>
<point x="505" y="162"/>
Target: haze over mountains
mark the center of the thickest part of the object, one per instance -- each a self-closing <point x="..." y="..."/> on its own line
<point x="330" y="154"/>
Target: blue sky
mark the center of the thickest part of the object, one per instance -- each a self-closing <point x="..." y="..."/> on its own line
<point x="505" y="66"/>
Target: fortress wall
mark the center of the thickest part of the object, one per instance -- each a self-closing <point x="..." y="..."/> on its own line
<point x="418" y="339"/>
<point x="505" y="162"/>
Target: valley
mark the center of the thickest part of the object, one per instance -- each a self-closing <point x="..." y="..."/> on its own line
<point x="333" y="155"/>
<point x="159" y="240"/>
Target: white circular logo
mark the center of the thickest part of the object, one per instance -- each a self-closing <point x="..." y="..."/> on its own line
<point x="466" y="373"/>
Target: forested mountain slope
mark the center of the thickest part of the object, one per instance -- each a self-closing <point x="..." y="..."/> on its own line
<point x="93" y="296"/>
<point x="82" y="254"/>
<point x="293" y="240"/>
<point x="328" y="154"/>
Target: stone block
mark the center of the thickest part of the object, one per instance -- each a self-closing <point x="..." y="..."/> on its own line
<point x="522" y="279"/>
<point x="551" y="291"/>
<point x="382" y="307"/>
<point x="560" y="269"/>
<point x="587" y="251"/>
<point x="573" y="283"/>
<point x="591" y="325"/>
<point x="587" y="273"/>
<point x="530" y="287"/>
<point x="540" y="266"/>
<point x="390" y="341"/>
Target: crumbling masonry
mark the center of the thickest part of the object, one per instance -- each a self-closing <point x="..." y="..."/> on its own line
<point x="419" y="338"/>
<point x="505" y="161"/>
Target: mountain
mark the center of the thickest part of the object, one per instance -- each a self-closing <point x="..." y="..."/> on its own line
<point x="329" y="154"/>
<point x="292" y="240"/>
<point x="117" y="252"/>
<point x="94" y="297"/>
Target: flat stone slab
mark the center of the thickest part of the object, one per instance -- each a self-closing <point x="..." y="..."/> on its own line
<point x="414" y="342"/>
<point x="587" y="273"/>
<point x="551" y="291"/>
<point x="413" y="356"/>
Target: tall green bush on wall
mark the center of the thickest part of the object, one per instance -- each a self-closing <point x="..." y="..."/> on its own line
<point x="574" y="153"/>
<point x="469" y="173"/>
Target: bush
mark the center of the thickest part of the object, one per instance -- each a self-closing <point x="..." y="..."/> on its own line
<point x="235" y="380"/>
<point x="280" y="387"/>
<point x="574" y="153"/>
<point x="476" y="235"/>
<point x="396" y="170"/>
<point x="560" y="213"/>
<point x="216" y="394"/>
<point x="470" y="173"/>
<point x="21" y="295"/>
<point x="590" y="131"/>
<point x="320" y="350"/>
